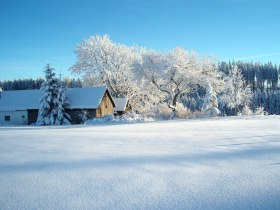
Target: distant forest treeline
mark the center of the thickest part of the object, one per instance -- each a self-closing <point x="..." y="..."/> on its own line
<point x="258" y="76"/>
<point x="264" y="83"/>
<point x="262" y="78"/>
<point x="28" y="84"/>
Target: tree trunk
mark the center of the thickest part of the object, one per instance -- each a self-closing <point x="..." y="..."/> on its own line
<point x="173" y="106"/>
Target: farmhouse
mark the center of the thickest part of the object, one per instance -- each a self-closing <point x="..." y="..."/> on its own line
<point x="20" y="107"/>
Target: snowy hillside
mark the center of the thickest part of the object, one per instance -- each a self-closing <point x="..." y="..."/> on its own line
<point x="223" y="163"/>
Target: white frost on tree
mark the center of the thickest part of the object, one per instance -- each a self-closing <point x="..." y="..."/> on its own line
<point x="210" y="104"/>
<point x="177" y="73"/>
<point x="145" y="77"/>
<point x="100" y="61"/>
<point x="53" y="101"/>
<point x="237" y="95"/>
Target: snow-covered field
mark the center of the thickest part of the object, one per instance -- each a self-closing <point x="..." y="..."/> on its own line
<point x="223" y="163"/>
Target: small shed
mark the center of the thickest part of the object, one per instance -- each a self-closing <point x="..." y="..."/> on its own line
<point x="21" y="107"/>
<point x="122" y="106"/>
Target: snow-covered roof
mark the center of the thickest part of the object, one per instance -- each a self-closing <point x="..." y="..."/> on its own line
<point x="87" y="98"/>
<point x="20" y="100"/>
<point x="79" y="98"/>
<point x="120" y="104"/>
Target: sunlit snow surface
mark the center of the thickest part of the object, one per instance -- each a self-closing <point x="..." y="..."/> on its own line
<point x="223" y="163"/>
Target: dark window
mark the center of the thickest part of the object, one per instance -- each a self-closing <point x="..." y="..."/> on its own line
<point x="7" y="118"/>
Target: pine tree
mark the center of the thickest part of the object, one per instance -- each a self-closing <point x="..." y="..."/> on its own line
<point x="210" y="104"/>
<point x="53" y="102"/>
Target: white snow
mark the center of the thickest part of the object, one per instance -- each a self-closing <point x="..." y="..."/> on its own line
<point x="220" y="163"/>
<point x="122" y="119"/>
<point x="84" y="98"/>
<point x="80" y="98"/>
<point x="20" y="100"/>
<point x="120" y="104"/>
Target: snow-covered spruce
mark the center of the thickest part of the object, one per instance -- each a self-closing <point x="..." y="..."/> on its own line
<point x="210" y="104"/>
<point x="53" y="101"/>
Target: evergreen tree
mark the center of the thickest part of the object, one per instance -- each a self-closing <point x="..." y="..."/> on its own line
<point x="210" y="104"/>
<point x="53" y="102"/>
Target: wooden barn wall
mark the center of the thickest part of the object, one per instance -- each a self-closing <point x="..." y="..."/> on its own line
<point x="128" y="108"/>
<point x="106" y="106"/>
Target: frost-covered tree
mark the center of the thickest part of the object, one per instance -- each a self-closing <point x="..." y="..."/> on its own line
<point x="100" y="61"/>
<point x="210" y="104"/>
<point x="237" y="95"/>
<point x="53" y="101"/>
<point x="177" y="73"/>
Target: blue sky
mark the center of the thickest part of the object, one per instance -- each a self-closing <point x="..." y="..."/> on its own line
<point x="36" y="32"/>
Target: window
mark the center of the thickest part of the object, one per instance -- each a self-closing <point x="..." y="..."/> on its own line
<point x="7" y="118"/>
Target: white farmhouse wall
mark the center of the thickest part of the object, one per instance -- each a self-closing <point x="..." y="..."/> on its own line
<point x="16" y="117"/>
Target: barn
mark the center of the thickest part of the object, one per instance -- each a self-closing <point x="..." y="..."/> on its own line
<point x="20" y="107"/>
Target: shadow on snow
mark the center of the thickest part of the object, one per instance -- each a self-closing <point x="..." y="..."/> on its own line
<point x="185" y="160"/>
